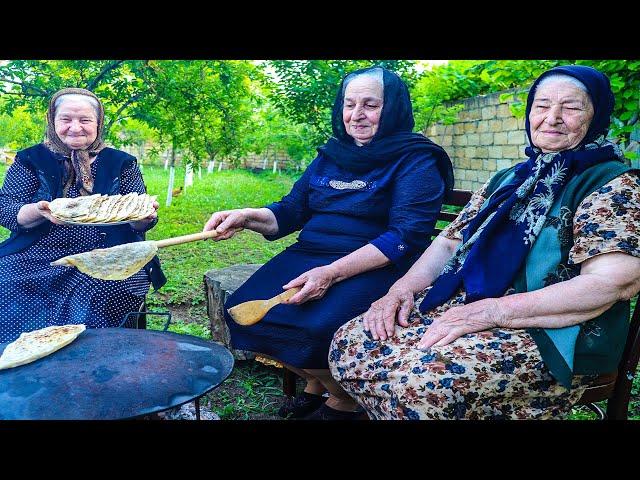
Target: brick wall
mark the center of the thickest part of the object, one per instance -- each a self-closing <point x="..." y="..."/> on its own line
<point x="485" y="138"/>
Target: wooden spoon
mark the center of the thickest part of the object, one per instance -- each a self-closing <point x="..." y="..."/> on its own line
<point x="253" y="311"/>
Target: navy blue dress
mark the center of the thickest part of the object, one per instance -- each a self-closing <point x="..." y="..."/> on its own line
<point x="393" y="207"/>
<point x="34" y="294"/>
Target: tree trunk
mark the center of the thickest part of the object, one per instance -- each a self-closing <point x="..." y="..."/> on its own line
<point x="172" y="174"/>
<point x="188" y="176"/>
<point x="140" y="155"/>
<point x="218" y="285"/>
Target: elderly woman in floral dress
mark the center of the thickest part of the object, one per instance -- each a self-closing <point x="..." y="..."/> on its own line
<point x="524" y="298"/>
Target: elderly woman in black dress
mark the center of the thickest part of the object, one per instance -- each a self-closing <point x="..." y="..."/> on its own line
<point x="366" y="208"/>
<point x="72" y="161"/>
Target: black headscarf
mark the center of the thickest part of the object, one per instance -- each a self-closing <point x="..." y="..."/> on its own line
<point x="394" y="138"/>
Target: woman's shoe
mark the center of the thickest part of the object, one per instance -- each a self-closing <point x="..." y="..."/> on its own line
<point x="327" y="413"/>
<point x="301" y="405"/>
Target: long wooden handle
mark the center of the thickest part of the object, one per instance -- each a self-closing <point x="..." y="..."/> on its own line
<point x="167" y="242"/>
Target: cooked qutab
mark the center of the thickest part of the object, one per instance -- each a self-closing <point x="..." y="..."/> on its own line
<point x="114" y="263"/>
<point x="103" y="208"/>
<point x="31" y="346"/>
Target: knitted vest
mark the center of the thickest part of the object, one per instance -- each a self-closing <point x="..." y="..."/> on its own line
<point x="594" y="346"/>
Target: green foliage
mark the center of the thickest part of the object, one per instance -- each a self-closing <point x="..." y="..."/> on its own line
<point x="462" y="79"/>
<point x="270" y="131"/>
<point x="201" y="107"/>
<point x="119" y="84"/>
<point x="133" y="132"/>
<point x="20" y="129"/>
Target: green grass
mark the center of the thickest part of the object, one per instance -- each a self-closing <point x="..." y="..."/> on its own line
<point x="185" y="264"/>
<point x="252" y="392"/>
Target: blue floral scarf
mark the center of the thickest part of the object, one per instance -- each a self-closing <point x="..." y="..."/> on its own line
<point x="496" y="242"/>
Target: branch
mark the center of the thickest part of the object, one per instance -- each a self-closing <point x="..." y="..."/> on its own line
<point x="93" y="83"/>
<point x="42" y="93"/>
<point x="119" y="111"/>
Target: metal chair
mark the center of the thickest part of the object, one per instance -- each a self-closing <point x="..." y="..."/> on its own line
<point x="141" y="318"/>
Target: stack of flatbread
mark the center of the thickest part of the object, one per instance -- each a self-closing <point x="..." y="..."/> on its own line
<point x="103" y="208"/>
<point x="31" y="346"/>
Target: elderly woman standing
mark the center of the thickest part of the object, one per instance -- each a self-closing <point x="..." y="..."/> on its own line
<point x="525" y="296"/>
<point x="366" y="207"/>
<point x="72" y="161"/>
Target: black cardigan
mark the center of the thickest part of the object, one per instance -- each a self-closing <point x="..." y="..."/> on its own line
<point x="47" y="168"/>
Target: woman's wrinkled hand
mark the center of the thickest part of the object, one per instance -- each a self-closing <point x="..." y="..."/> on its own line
<point x="314" y="284"/>
<point x="142" y="224"/>
<point x="382" y="315"/>
<point x="227" y="223"/>
<point x="457" y="321"/>
<point x="42" y="208"/>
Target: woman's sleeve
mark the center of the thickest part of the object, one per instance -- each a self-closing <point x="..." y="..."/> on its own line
<point x="131" y="181"/>
<point x="608" y="220"/>
<point x="416" y="197"/>
<point x="20" y="184"/>
<point x="292" y="211"/>
<point x="453" y="231"/>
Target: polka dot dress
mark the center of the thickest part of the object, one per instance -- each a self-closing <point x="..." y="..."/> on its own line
<point x="34" y="294"/>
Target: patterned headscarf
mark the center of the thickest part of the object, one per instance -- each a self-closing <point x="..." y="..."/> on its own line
<point x="78" y="163"/>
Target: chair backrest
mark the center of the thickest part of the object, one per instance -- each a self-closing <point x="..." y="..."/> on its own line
<point x="615" y="387"/>
<point x="457" y="198"/>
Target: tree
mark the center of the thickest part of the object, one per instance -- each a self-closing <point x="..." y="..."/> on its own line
<point x="120" y="84"/>
<point x="198" y="107"/>
<point x="20" y="129"/>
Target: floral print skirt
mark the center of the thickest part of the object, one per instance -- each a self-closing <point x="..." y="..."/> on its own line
<point x="494" y="374"/>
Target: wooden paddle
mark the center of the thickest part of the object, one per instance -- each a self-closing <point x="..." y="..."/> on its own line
<point x="253" y="311"/>
<point x="122" y="261"/>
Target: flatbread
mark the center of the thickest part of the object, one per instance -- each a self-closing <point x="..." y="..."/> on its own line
<point x="103" y="208"/>
<point x="115" y="263"/>
<point x="72" y="208"/>
<point x="128" y="202"/>
<point x="31" y="346"/>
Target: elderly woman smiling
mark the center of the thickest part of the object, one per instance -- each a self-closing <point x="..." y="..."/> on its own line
<point x="525" y="296"/>
<point x="366" y="207"/>
<point x="72" y="161"/>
